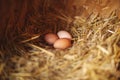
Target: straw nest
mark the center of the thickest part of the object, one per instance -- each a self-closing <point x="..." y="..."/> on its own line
<point x="94" y="55"/>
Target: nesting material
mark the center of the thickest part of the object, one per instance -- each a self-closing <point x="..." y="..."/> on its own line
<point x="94" y="54"/>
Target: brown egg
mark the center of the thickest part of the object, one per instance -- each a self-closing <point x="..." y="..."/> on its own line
<point x="62" y="43"/>
<point x="50" y="38"/>
<point x="64" y="34"/>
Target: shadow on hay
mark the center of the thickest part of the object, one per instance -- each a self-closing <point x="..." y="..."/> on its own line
<point x="23" y="19"/>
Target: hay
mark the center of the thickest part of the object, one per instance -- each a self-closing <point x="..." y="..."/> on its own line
<point x="95" y="54"/>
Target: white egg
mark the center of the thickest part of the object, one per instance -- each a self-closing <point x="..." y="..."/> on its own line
<point x="64" y="34"/>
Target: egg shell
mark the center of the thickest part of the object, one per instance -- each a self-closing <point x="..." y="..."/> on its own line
<point x="64" y="34"/>
<point x="50" y="38"/>
<point x="62" y="43"/>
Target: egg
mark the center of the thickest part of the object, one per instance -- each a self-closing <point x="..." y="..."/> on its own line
<point x="62" y="43"/>
<point x="64" y="34"/>
<point x="50" y="38"/>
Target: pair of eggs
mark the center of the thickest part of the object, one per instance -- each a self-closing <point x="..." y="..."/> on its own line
<point x="60" y="41"/>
